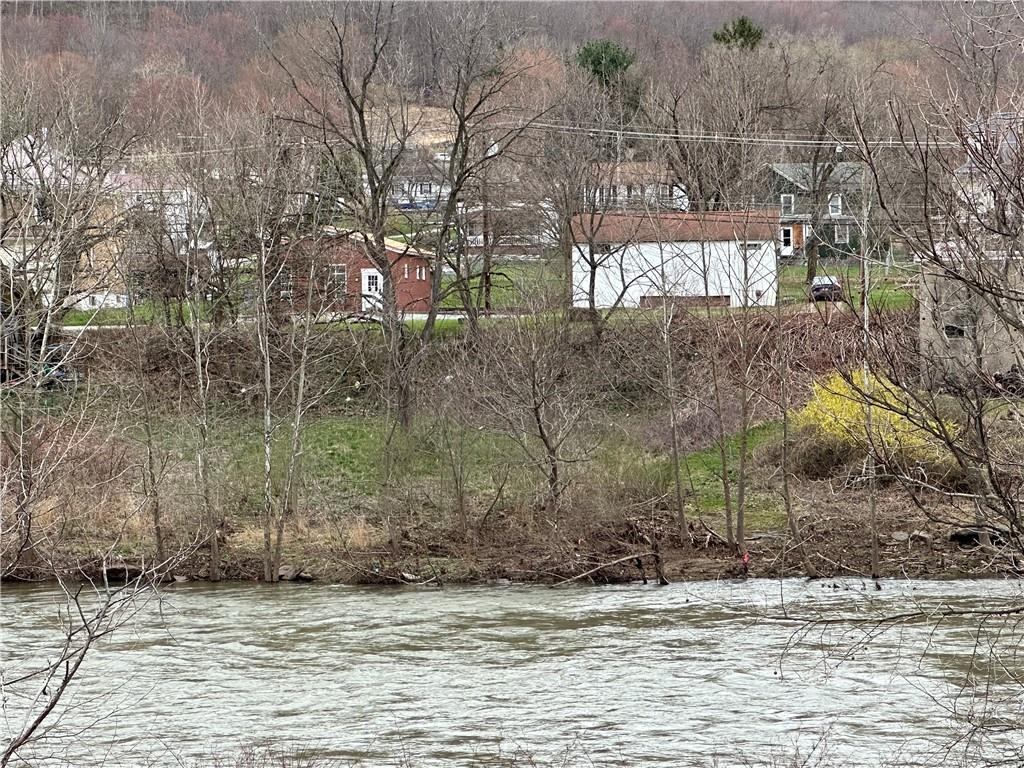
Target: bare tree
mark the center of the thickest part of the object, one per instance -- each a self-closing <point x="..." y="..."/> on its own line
<point x="479" y="70"/>
<point x="55" y="221"/>
<point x="357" y="107"/>
<point x="535" y="390"/>
<point x="950" y="191"/>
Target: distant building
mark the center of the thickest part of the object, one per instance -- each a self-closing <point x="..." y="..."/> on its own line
<point x="989" y="177"/>
<point x="346" y="281"/>
<point x="52" y="198"/>
<point x="965" y="330"/>
<point x="723" y="258"/>
<point x="821" y="198"/>
<point x="638" y="186"/>
<point x="972" y="285"/>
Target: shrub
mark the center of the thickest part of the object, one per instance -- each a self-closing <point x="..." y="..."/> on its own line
<point x="832" y="431"/>
<point x="816" y="455"/>
<point x="839" y="410"/>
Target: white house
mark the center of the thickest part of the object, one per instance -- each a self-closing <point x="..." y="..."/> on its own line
<point x="638" y="186"/>
<point x="725" y="258"/>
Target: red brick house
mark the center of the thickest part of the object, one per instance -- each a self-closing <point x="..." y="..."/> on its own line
<point x="347" y="281"/>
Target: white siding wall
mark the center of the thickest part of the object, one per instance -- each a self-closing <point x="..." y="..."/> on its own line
<point x="103" y="300"/>
<point x="680" y="269"/>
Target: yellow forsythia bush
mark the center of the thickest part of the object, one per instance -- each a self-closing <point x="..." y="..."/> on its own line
<point x="838" y="411"/>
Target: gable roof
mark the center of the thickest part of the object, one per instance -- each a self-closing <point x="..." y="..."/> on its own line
<point x="676" y="227"/>
<point x="845" y="175"/>
<point x="395" y="247"/>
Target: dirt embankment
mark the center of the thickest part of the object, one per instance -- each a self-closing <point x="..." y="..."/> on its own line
<point x="836" y="539"/>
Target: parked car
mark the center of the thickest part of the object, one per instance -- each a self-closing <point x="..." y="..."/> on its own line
<point x="825" y="288"/>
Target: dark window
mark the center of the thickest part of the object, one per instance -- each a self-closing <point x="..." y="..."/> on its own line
<point x="285" y="282"/>
<point x="954" y="331"/>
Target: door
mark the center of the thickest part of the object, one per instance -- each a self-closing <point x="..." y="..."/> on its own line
<point x="372" y="286"/>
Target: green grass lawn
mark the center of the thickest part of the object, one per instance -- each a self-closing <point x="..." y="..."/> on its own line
<point x="147" y="312"/>
<point x="894" y="287"/>
<point x="513" y="285"/>
<point x="352" y="461"/>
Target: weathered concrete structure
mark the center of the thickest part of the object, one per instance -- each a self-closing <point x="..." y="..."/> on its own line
<point x="967" y="332"/>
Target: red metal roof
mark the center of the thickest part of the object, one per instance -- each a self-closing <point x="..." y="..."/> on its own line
<point x="675" y="227"/>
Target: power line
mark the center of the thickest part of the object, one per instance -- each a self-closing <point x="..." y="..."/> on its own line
<point x="763" y="139"/>
<point x="692" y="136"/>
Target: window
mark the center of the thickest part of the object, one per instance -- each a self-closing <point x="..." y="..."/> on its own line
<point x="666" y="192"/>
<point x="373" y="283"/>
<point x="835" y="205"/>
<point x="786" y="204"/>
<point x="786" y="237"/>
<point x="424" y="188"/>
<point x="602" y="248"/>
<point x="337" y="282"/>
<point x="954" y="331"/>
<point x="421" y="273"/>
<point x="749" y="247"/>
<point x="405" y="272"/>
<point x="287" y="285"/>
<point x="606" y="195"/>
<point x="842" y="234"/>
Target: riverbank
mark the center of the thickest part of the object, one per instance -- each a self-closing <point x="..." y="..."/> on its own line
<point x="463" y="493"/>
<point x="522" y="548"/>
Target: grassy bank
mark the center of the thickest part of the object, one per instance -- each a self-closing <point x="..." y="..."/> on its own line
<point x="381" y="506"/>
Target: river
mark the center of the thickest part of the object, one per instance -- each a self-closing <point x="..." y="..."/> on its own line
<point x="694" y="674"/>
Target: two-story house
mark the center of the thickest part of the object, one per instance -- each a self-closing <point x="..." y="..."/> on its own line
<point x="57" y="220"/>
<point x="638" y="186"/>
<point x="818" y="205"/>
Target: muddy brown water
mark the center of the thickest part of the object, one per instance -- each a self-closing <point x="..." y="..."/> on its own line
<point x="689" y="674"/>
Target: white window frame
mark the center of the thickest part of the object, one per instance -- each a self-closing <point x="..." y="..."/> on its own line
<point x="835" y="205"/>
<point x="373" y="283"/>
<point x="337" y="288"/>
<point x="405" y="272"/>
<point x="421" y="272"/>
<point x="787" y="204"/>
<point x="783" y="237"/>
<point x="425" y="188"/>
<point x="841" y="234"/>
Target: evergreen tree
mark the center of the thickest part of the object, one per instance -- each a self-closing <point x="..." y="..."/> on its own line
<point x="605" y="60"/>
<point x="742" y="34"/>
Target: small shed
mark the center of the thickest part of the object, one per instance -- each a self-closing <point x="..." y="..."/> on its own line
<point x="722" y="258"/>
